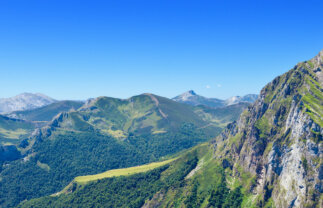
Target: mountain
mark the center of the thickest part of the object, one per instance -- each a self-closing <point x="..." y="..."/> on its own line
<point x="250" y="98"/>
<point x="103" y="134"/>
<point x="146" y="113"/>
<point x="47" y="112"/>
<point x="270" y="157"/>
<point x="19" y="125"/>
<point x="24" y="101"/>
<point x="191" y="98"/>
<point x="278" y="141"/>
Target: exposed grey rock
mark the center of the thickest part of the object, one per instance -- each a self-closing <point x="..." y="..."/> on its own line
<point x="280" y="142"/>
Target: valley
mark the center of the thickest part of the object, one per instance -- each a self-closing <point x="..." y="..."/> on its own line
<point x="161" y="104"/>
<point x="269" y="157"/>
<point x="102" y="134"/>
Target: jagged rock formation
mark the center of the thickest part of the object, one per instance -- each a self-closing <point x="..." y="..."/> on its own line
<point x="279" y="139"/>
<point x="24" y="101"/>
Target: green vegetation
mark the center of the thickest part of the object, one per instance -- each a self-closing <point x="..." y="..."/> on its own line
<point x="264" y="127"/>
<point x="145" y="114"/>
<point x="118" y="136"/>
<point x="206" y="188"/>
<point x="105" y="134"/>
<point x="14" y="130"/>
<point x="129" y="191"/>
<point x="121" y="172"/>
<point x="313" y="100"/>
<point x="68" y="154"/>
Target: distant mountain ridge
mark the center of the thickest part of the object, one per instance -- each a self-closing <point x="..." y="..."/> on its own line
<point x="191" y="98"/>
<point x="24" y="101"/>
<point x="47" y="112"/>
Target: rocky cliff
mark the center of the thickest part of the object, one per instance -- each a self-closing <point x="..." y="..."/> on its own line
<point x="279" y="139"/>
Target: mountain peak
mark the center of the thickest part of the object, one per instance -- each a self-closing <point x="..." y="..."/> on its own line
<point x="275" y="135"/>
<point x="191" y="98"/>
<point x="321" y="53"/>
<point x="187" y="95"/>
<point x="318" y="59"/>
<point x="191" y="92"/>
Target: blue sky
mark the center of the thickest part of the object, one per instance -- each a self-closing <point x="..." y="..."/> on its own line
<point x="79" y="49"/>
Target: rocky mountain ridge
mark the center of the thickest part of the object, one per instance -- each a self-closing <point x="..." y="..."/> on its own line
<point x="191" y="98"/>
<point x="279" y="139"/>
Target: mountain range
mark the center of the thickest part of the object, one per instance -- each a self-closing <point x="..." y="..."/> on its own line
<point x="103" y="133"/>
<point x="39" y="110"/>
<point x="150" y="151"/>
<point x="191" y="98"/>
<point x="22" y="105"/>
<point x="270" y="157"/>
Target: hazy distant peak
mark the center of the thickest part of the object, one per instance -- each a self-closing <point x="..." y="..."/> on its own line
<point x="233" y="100"/>
<point x="191" y="98"/>
<point x="24" y="101"/>
<point x="186" y="95"/>
<point x="318" y="59"/>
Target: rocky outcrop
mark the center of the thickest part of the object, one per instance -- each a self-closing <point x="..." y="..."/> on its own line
<point x="279" y="139"/>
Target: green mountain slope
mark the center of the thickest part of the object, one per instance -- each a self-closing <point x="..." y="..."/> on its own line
<point x="48" y="112"/>
<point x="104" y="134"/>
<point x="270" y="157"/>
<point x="195" y="179"/>
<point x="12" y="131"/>
<point x="279" y="140"/>
<point x="143" y="114"/>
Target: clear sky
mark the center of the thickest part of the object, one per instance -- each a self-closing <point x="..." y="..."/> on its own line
<point x="74" y="49"/>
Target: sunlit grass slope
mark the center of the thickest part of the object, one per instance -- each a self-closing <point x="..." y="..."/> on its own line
<point x="122" y="171"/>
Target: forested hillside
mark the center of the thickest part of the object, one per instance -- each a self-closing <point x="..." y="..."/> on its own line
<point x="270" y="157"/>
<point x="105" y="133"/>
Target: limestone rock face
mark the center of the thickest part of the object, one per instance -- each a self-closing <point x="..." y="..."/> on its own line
<point x="279" y="139"/>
